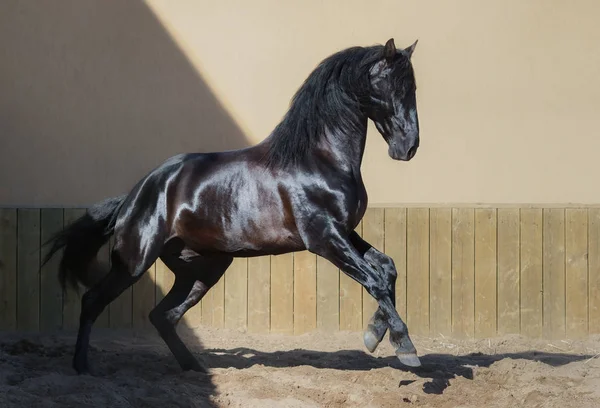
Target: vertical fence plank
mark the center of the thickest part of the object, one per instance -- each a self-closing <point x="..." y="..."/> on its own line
<point x="259" y="294"/>
<point x="51" y="301"/>
<point x="576" y="247"/>
<point x="207" y="307"/>
<point x="121" y="309"/>
<point x="28" y="274"/>
<point x="8" y="269"/>
<point x="485" y="272"/>
<point x="395" y="247"/>
<point x="531" y="272"/>
<point x="594" y="270"/>
<point x="328" y="295"/>
<point x="373" y="234"/>
<point x="282" y="294"/>
<point x="236" y="294"/>
<point x="508" y="271"/>
<point x="554" y="273"/>
<point x="305" y="292"/>
<point x="417" y="270"/>
<point x="440" y="259"/>
<point x="218" y="303"/>
<point x="350" y="300"/>
<point x="143" y="299"/>
<point x="463" y="273"/>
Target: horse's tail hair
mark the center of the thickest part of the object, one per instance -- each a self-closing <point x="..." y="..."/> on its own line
<point x="81" y="241"/>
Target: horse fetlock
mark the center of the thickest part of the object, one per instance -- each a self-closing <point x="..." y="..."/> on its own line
<point x="374" y="332"/>
<point x="191" y="364"/>
<point x="81" y="364"/>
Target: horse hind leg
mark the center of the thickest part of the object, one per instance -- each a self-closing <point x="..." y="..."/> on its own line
<point x="126" y="269"/>
<point x="93" y="303"/>
<point x="192" y="281"/>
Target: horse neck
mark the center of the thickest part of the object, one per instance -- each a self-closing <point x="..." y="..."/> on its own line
<point x="346" y="147"/>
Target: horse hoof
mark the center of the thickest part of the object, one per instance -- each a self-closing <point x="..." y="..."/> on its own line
<point x="197" y="367"/>
<point x="81" y="367"/>
<point x="409" y="359"/>
<point x="82" y="370"/>
<point x="371" y="341"/>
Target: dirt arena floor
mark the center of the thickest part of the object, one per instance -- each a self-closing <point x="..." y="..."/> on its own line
<point x="135" y="369"/>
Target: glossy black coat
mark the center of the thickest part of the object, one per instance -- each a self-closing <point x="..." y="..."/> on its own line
<point x="301" y="188"/>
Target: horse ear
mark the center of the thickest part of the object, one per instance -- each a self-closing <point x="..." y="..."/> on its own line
<point x="409" y="50"/>
<point x="389" y="50"/>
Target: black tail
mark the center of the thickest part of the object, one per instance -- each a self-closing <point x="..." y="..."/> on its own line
<point x="82" y="240"/>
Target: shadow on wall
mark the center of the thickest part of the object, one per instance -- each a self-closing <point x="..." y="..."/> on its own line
<point x="94" y="95"/>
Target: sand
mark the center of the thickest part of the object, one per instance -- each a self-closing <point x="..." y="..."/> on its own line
<point x="135" y="369"/>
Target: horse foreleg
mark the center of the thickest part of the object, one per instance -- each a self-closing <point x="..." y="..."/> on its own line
<point x="377" y="325"/>
<point x="341" y="252"/>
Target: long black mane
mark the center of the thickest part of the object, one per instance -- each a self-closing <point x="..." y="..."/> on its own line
<point x="339" y="84"/>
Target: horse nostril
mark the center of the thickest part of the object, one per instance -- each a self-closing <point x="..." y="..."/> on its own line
<point x="411" y="152"/>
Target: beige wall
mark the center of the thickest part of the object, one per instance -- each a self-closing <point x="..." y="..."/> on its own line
<point x="508" y="92"/>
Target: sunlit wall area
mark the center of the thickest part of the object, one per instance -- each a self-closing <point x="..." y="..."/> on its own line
<point x="95" y="94"/>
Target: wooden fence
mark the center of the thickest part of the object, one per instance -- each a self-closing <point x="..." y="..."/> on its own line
<point x="462" y="272"/>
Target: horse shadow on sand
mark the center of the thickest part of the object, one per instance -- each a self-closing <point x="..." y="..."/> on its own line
<point x="438" y="368"/>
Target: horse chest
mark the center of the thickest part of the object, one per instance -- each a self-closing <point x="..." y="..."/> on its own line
<point x="359" y="206"/>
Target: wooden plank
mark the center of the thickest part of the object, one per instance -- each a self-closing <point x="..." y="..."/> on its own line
<point x="305" y="292"/>
<point x="463" y="272"/>
<point x="417" y="270"/>
<point x="143" y="299"/>
<point x="217" y="302"/>
<point x="282" y="294"/>
<point x="554" y="273"/>
<point x="328" y="296"/>
<point x="236" y="295"/>
<point x="71" y="297"/>
<point x="531" y="261"/>
<point x="508" y="271"/>
<point x="576" y="247"/>
<point x="395" y="247"/>
<point x="28" y="269"/>
<point x="8" y="269"/>
<point x="121" y="309"/>
<point x="351" y="300"/>
<point x="373" y="234"/>
<point x="207" y="309"/>
<point x="103" y="257"/>
<point x="206" y="303"/>
<point x="51" y="301"/>
<point x="594" y="270"/>
<point x="485" y="272"/>
<point x="259" y="294"/>
<point x="440" y="259"/>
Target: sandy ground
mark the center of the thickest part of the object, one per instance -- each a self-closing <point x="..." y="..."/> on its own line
<point x="135" y="369"/>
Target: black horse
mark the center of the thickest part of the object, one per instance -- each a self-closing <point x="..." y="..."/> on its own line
<point x="299" y="189"/>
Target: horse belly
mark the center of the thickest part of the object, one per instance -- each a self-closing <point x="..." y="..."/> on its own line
<point x="254" y="230"/>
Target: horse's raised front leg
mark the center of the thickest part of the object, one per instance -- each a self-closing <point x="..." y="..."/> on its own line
<point x="385" y="265"/>
<point x="341" y="251"/>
